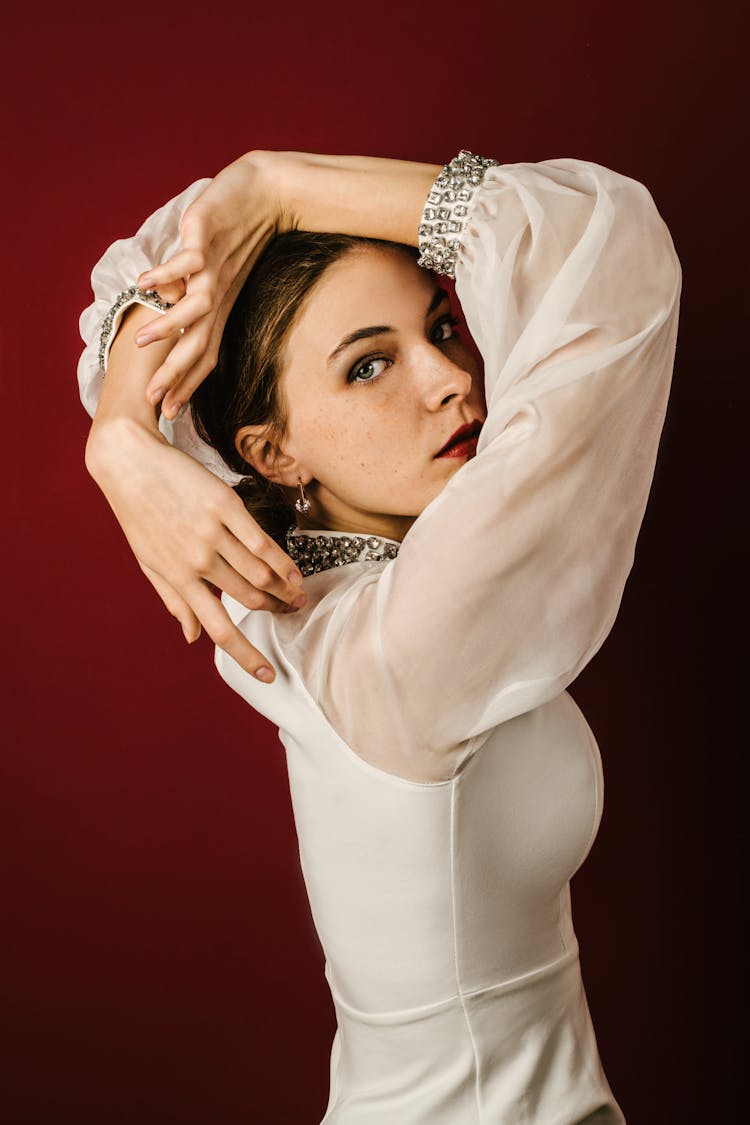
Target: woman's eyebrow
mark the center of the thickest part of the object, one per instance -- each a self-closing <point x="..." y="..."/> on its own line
<point x="380" y="329"/>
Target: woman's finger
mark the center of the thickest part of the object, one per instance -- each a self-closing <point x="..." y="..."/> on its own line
<point x="256" y="597"/>
<point x="200" y="315"/>
<point x="250" y="568"/>
<point x="180" y="378"/>
<point x="184" y="383"/>
<point x="184" y="375"/>
<point x="173" y="291"/>
<point x="224" y="633"/>
<point x="189" y="310"/>
<point x="194" y="352"/>
<point x="195" y="355"/>
<point x="238" y="520"/>
<point x="169" y="378"/>
<point x="257" y="575"/>
<point x="182" y="264"/>
<point x="174" y="602"/>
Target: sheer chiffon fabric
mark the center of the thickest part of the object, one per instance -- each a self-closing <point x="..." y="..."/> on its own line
<point x="445" y="785"/>
<point x="511" y="579"/>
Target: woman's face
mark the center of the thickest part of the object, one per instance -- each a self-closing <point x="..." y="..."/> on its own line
<point x="367" y="417"/>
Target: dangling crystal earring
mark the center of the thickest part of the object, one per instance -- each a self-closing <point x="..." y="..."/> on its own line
<point x="302" y="504"/>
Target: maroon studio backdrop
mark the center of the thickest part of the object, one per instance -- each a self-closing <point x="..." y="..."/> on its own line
<point x="159" y="962"/>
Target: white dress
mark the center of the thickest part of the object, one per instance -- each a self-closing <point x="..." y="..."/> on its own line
<point x="443" y="907"/>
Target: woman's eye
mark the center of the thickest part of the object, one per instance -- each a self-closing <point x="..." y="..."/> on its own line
<point x="364" y="372"/>
<point x="448" y="322"/>
<point x="366" y="368"/>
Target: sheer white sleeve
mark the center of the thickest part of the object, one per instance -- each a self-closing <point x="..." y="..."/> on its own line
<point x="510" y="580"/>
<point x="116" y="272"/>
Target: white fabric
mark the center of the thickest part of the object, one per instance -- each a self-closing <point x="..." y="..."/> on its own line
<point x="445" y="785"/>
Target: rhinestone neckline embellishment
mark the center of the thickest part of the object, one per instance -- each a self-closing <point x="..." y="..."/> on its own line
<point x="314" y="551"/>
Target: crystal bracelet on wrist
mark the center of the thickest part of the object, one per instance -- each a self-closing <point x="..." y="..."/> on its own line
<point x="130" y="296"/>
<point x="447" y="210"/>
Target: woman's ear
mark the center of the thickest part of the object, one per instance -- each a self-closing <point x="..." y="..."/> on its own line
<point x="255" y="445"/>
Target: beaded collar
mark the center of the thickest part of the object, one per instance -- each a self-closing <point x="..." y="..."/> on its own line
<point x="320" y="550"/>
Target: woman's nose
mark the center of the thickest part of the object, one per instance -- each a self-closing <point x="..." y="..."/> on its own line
<point x="445" y="377"/>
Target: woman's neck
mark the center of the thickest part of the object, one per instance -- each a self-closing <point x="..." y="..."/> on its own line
<point x="385" y="527"/>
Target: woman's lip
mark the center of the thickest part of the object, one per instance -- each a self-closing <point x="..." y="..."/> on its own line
<point x="466" y="433"/>
<point x="465" y="448"/>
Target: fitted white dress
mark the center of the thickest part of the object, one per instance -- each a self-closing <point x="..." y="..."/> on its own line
<point x="443" y="907"/>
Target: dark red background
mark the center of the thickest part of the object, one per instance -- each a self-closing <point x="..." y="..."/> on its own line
<point x="160" y="963"/>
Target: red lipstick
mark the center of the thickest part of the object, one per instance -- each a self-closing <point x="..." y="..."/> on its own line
<point x="463" y="443"/>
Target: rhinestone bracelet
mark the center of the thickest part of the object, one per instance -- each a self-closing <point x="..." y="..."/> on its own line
<point x="447" y="209"/>
<point x="128" y="297"/>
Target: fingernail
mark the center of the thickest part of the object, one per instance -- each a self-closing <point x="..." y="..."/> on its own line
<point x="173" y="410"/>
<point x="265" y="674"/>
<point x="295" y="577"/>
<point x="155" y="395"/>
<point x="300" y="600"/>
<point x="146" y="338"/>
<point x="146" y="281"/>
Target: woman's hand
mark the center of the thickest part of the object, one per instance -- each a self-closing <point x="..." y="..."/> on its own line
<point x="181" y="521"/>
<point x="223" y="232"/>
<point x="189" y="530"/>
<point x="226" y="228"/>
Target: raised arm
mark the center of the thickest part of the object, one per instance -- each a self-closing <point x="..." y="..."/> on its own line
<point x="366" y="196"/>
<point x="510" y="581"/>
<point x="570" y="284"/>
<point x="176" y="518"/>
<point x="188" y="530"/>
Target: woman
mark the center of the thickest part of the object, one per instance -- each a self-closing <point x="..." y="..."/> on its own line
<point x="445" y="785"/>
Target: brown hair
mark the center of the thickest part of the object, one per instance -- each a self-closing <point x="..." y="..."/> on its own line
<point x="243" y="389"/>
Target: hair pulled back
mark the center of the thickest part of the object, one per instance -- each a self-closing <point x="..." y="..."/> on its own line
<point x="243" y="389"/>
